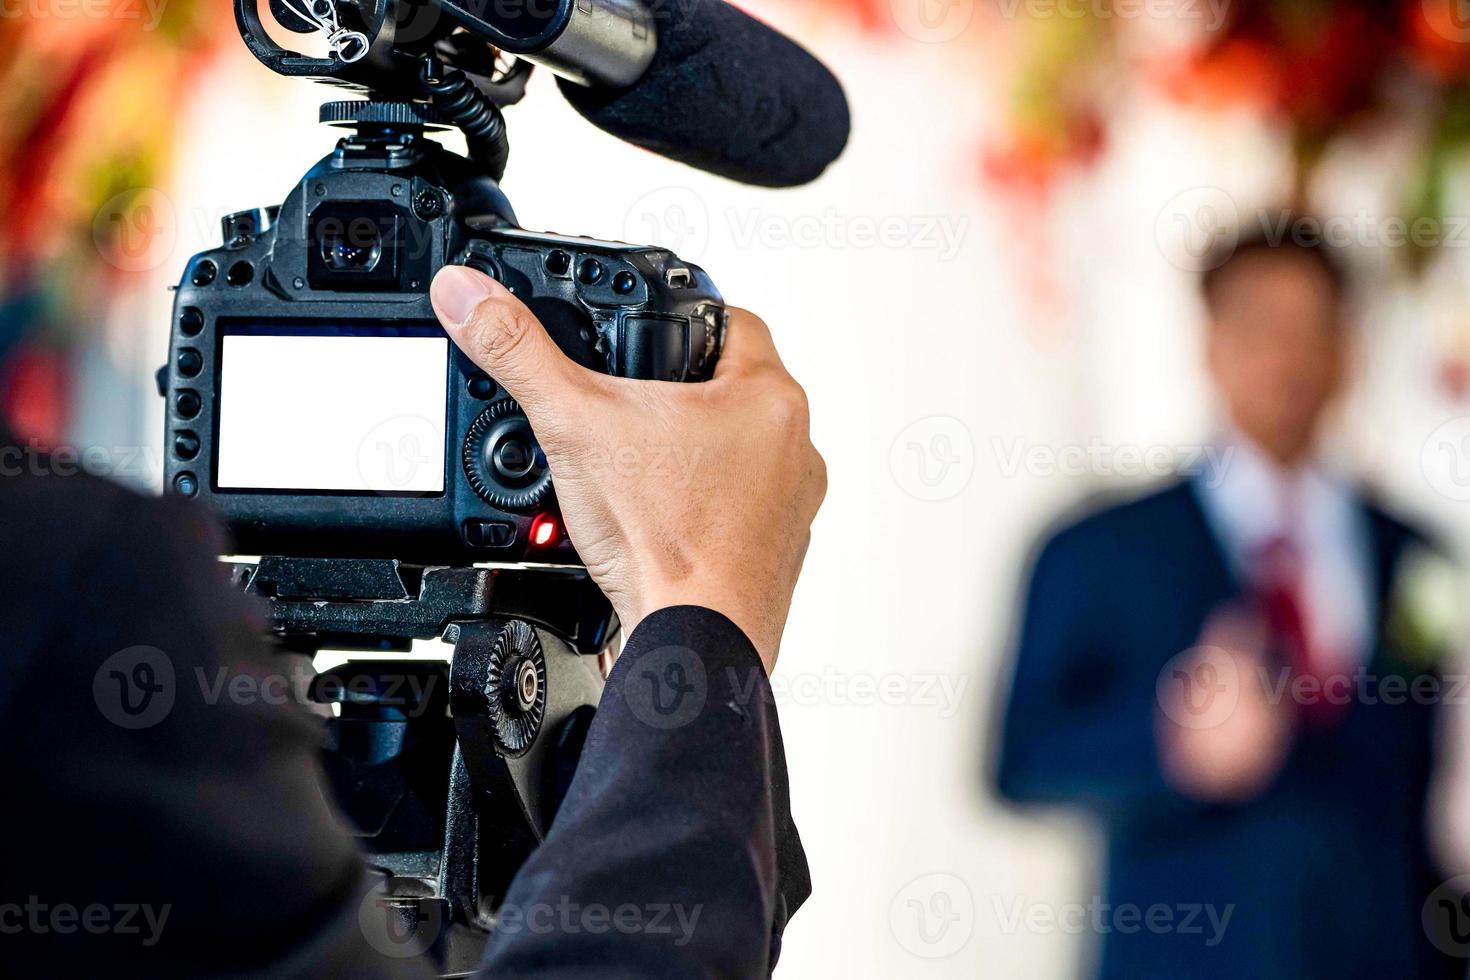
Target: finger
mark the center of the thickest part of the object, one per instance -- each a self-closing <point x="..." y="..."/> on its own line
<point x="748" y="345"/>
<point x="497" y="332"/>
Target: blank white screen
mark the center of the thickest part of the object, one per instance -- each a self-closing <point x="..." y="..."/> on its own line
<point x="332" y="413"/>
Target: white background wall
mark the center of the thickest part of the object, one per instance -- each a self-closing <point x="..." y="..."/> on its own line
<point x="901" y="347"/>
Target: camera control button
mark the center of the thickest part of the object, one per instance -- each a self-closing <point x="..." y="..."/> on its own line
<point x="589" y="272"/>
<point x="191" y="321"/>
<point x="190" y="362"/>
<point x="481" y="387"/>
<point x="502" y="462"/>
<point x="483" y="264"/>
<point x="514" y="459"/>
<point x="186" y="445"/>
<point x="240" y="274"/>
<point x="489" y="534"/>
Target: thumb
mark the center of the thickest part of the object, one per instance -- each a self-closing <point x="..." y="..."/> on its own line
<point x="497" y="332"/>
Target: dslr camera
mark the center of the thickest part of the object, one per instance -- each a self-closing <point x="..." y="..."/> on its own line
<point x="313" y="401"/>
<point x="391" y="490"/>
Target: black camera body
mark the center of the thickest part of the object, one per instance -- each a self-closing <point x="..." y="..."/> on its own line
<point x="313" y="400"/>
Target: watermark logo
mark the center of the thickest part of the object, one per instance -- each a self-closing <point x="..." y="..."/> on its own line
<point x="667" y="687"/>
<point x="675" y="218"/>
<point x="1203" y="687"/>
<point x="136" y="464"/>
<point x="933" y="916"/>
<point x="135" y="231"/>
<point x="668" y="464"/>
<point x="1445" y="459"/>
<point x="1450" y="19"/>
<point x="675" y="921"/>
<point x="41" y="918"/>
<point x="943" y="235"/>
<point x="1096" y="458"/>
<point x="400" y="928"/>
<point x="1100" y="918"/>
<point x="932" y="21"/>
<point x="1446" y="917"/>
<point x="933" y="459"/>
<point x="678" y="219"/>
<point x="401" y="453"/>
<point x="1209" y="14"/>
<point x="415" y="22"/>
<point x="1197" y="229"/>
<point x="148" y="12"/>
<point x="835" y="688"/>
<point x="1199" y="688"/>
<point x="135" y="688"/>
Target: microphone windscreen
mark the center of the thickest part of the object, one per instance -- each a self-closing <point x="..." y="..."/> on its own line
<point x="727" y="94"/>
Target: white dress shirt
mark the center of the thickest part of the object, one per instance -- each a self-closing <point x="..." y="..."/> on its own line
<point x="1253" y="501"/>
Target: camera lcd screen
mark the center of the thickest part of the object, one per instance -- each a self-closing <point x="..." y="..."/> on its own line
<point x="332" y="409"/>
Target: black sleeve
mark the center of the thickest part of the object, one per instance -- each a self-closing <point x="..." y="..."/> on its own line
<point x="674" y="854"/>
<point x="165" y="812"/>
<point x="165" y="816"/>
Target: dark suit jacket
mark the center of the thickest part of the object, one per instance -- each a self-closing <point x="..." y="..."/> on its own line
<point x="213" y="817"/>
<point x="1325" y="875"/>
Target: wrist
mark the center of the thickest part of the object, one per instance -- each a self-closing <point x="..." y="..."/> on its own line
<point x="756" y="627"/>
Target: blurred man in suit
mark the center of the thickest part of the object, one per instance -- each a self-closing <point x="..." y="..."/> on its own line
<point x="1205" y="670"/>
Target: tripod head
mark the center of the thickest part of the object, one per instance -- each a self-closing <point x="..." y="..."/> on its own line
<point x="450" y="773"/>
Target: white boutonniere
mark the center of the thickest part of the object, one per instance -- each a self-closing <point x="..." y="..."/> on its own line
<point x="1427" y="614"/>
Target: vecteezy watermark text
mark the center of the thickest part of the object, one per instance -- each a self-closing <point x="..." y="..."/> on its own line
<point x="567" y="917"/>
<point x="1098" y="458"/>
<point x="63" y="919"/>
<point x="835" y="688"/>
<point x="1100" y="917"/>
<point x="150" y="12"/>
<point x="137" y="687"/>
<point x="670" y="688"/>
<point x="1198" y="229"/>
<point x="940" y="234"/>
<point x="134" y="463"/>
<point x="1211" y="14"/>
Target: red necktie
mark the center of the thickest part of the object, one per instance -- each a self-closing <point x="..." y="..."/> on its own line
<point x="1280" y="590"/>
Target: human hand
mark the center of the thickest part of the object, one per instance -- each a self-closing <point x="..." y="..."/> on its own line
<point x="673" y="494"/>
<point x="1229" y="750"/>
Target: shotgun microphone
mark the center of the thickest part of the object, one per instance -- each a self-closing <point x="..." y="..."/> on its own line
<point x="697" y="81"/>
<point x="727" y="94"/>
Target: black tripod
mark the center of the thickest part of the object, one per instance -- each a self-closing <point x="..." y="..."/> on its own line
<point x="450" y="773"/>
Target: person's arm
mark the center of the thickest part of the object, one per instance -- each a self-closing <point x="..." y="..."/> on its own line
<point x="674" y="854"/>
<point x="690" y="504"/>
<point x="166" y="815"/>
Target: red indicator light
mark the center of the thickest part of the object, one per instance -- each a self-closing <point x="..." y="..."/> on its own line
<point x="543" y="531"/>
